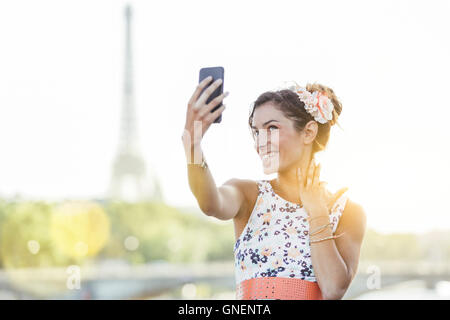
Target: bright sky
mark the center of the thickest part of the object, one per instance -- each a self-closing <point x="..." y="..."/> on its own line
<point x="61" y="72"/>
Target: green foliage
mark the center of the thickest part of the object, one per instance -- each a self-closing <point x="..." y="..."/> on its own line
<point x="165" y="233"/>
<point x="24" y="222"/>
<point x="168" y="234"/>
<point x="395" y="246"/>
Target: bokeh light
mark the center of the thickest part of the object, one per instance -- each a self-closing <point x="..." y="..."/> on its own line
<point x="80" y="229"/>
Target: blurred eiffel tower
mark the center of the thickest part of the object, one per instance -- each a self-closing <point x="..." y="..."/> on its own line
<point x="130" y="180"/>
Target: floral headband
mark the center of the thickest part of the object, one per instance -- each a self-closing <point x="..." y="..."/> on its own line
<point x="317" y="104"/>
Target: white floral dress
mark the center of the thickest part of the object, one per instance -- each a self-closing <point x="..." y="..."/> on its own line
<point x="275" y="241"/>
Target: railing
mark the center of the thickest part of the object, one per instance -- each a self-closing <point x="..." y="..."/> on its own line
<point x="154" y="278"/>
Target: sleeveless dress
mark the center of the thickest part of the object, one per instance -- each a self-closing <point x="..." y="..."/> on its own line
<point x="272" y="254"/>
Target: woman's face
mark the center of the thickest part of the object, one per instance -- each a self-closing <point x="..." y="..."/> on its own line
<point x="277" y="142"/>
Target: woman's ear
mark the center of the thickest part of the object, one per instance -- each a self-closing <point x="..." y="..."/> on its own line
<point x="310" y="131"/>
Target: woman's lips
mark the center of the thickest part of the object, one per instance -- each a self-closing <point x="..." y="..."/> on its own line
<point x="269" y="156"/>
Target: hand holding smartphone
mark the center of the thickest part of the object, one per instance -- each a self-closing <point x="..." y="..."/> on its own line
<point x="216" y="73"/>
<point x="204" y="107"/>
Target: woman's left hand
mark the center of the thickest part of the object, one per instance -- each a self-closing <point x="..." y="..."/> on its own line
<point x="316" y="199"/>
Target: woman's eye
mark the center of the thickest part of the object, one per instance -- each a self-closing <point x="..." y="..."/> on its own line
<point x="255" y="133"/>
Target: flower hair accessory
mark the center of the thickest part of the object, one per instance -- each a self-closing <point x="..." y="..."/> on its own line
<point x="317" y="104"/>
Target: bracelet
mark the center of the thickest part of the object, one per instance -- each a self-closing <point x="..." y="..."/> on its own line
<point x="320" y="229"/>
<point x="204" y="165"/>
<point x="326" y="238"/>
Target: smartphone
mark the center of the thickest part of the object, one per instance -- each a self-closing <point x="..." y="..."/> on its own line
<point x="216" y="73"/>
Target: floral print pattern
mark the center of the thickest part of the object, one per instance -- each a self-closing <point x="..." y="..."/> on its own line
<point x="275" y="241"/>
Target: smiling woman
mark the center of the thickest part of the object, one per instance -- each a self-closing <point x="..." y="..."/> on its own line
<point x="287" y="101"/>
<point x="294" y="239"/>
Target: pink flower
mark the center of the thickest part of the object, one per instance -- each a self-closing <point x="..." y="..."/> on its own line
<point x="316" y="103"/>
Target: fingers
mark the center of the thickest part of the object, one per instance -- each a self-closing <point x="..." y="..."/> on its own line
<point x="313" y="175"/>
<point x="197" y="91"/>
<point x="213" y="116"/>
<point x="340" y="192"/>
<point x="310" y="175"/>
<point x="323" y="184"/>
<point x="316" y="176"/>
<point x="299" y="179"/>
<point x="212" y="104"/>
<point x="204" y="96"/>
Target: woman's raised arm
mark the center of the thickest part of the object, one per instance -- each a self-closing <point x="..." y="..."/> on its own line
<point x="198" y="119"/>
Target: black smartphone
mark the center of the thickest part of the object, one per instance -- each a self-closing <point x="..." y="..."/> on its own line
<point x="216" y="73"/>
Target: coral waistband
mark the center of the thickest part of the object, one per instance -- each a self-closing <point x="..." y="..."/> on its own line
<point x="278" y="288"/>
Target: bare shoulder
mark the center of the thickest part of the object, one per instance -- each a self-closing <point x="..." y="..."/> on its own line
<point x="248" y="188"/>
<point x="240" y="182"/>
<point x="354" y="210"/>
<point x="244" y="185"/>
<point x="353" y="219"/>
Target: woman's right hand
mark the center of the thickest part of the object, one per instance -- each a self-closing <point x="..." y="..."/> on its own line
<point x="199" y="113"/>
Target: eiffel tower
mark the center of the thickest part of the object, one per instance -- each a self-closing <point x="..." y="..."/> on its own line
<point x="130" y="180"/>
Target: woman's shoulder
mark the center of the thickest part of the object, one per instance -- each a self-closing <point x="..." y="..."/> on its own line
<point x="248" y="187"/>
<point x="244" y="183"/>
<point x="354" y="216"/>
<point x="353" y="208"/>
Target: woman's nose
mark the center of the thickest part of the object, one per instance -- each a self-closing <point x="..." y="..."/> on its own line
<point x="263" y="138"/>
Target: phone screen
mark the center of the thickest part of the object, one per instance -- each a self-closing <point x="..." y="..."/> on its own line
<point x="216" y="73"/>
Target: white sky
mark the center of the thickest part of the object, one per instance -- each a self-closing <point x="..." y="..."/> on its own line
<point x="61" y="68"/>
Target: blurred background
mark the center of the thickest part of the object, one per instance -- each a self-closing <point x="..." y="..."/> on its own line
<point x="94" y="197"/>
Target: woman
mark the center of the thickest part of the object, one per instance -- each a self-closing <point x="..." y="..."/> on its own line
<point x="294" y="239"/>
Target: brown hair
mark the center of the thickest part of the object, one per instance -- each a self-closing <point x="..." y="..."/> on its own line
<point x="293" y="108"/>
